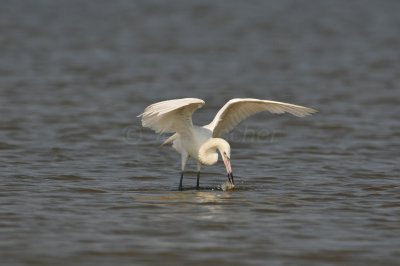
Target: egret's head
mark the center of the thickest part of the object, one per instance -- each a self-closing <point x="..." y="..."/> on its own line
<point x="208" y="154"/>
<point x="225" y="150"/>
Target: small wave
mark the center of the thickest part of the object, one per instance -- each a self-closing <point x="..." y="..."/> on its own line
<point x="88" y="190"/>
<point x="66" y="177"/>
<point x="7" y="146"/>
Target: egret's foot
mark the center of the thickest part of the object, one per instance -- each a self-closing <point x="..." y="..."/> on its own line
<point x="180" y="188"/>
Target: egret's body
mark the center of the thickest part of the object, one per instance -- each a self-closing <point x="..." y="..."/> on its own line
<point x="191" y="144"/>
<point x="204" y="143"/>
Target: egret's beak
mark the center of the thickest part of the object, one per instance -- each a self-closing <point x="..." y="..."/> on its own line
<point x="227" y="163"/>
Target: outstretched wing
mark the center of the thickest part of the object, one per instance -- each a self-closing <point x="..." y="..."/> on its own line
<point x="171" y="116"/>
<point x="236" y="110"/>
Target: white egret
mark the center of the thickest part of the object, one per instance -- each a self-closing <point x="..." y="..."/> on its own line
<point x="204" y="143"/>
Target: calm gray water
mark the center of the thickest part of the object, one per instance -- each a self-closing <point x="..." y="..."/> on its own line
<point x="82" y="184"/>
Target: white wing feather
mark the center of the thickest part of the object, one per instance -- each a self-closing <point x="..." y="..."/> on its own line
<point x="171" y="116"/>
<point x="236" y="110"/>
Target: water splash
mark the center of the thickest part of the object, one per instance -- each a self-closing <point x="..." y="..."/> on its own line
<point x="227" y="186"/>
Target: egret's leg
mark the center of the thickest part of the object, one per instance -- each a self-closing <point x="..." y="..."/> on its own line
<point x="198" y="175"/>
<point x="180" y="183"/>
<point x="184" y="158"/>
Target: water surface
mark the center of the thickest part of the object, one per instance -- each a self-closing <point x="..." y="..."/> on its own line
<point x="82" y="184"/>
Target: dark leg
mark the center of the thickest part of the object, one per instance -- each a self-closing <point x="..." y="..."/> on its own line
<point x="184" y="159"/>
<point x="180" y="183"/>
<point x="198" y="180"/>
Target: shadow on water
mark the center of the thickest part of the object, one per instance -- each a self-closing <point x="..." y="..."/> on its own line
<point x="217" y="188"/>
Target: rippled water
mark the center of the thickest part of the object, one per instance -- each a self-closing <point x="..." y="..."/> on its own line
<point x="82" y="184"/>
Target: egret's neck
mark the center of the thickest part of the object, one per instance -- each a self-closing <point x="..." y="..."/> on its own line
<point x="208" y="154"/>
